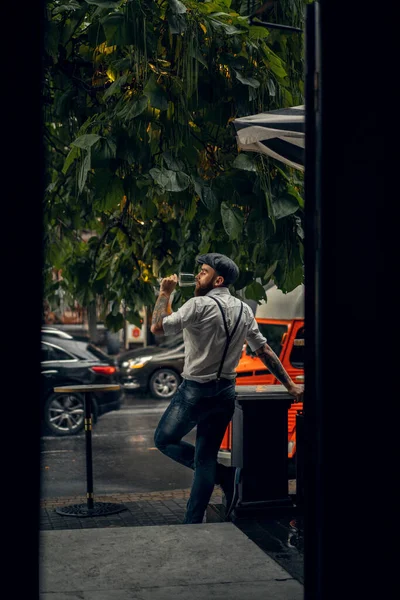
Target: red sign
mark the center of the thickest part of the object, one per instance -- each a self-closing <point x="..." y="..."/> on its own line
<point x="135" y="332"/>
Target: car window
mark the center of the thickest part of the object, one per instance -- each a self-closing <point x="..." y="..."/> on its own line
<point x="54" y="354"/>
<point x="83" y="350"/>
<point x="297" y="353"/>
<point x="274" y="334"/>
<point x="98" y="352"/>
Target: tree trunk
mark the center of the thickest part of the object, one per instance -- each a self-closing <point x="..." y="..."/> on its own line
<point x="149" y="337"/>
<point x="92" y="322"/>
<point x="124" y="332"/>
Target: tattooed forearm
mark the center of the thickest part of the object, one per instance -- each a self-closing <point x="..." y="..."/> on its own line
<point x="273" y="363"/>
<point x="160" y="311"/>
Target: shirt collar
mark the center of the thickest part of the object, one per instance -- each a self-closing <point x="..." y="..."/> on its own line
<point x="218" y="291"/>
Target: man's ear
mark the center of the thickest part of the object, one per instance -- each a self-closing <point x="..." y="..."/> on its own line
<point x="219" y="281"/>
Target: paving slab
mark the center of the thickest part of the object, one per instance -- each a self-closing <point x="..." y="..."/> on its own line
<point x="173" y="562"/>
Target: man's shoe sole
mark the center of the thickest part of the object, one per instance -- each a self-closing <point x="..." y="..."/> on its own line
<point x="235" y="496"/>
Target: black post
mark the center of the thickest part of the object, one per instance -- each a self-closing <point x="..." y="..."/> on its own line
<point x="309" y="442"/>
<point x="91" y="508"/>
<point x="89" y="464"/>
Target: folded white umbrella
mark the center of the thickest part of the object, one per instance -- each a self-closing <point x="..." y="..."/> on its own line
<point x="277" y="133"/>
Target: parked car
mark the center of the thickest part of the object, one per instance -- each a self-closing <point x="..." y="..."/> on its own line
<point x="154" y="369"/>
<point x="65" y="360"/>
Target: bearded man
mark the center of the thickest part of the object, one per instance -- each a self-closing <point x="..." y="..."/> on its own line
<point x="215" y="326"/>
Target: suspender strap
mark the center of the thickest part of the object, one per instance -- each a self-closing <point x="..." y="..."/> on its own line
<point x="228" y="336"/>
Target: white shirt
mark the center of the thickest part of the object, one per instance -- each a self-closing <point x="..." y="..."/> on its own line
<point x="204" y="334"/>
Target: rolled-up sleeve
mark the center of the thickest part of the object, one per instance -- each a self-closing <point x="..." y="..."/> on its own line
<point x="254" y="337"/>
<point x="184" y="316"/>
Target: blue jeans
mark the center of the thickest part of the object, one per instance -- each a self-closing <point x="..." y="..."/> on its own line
<point x="210" y="406"/>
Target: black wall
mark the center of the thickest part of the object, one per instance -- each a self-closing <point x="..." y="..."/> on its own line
<point x="351" y="311"/>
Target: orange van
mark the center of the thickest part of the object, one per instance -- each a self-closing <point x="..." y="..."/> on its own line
<point x="281" y="321"/>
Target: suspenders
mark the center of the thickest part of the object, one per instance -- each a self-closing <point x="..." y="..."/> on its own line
<point x="228" y="336"/>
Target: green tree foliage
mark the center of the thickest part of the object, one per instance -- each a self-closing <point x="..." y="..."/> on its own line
<point x="139" y="96"/>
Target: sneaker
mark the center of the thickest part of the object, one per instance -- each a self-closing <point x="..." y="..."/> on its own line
<point x="230" y="487"/>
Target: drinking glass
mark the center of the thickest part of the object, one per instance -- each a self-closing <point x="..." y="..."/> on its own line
<point x="184" y="279"/>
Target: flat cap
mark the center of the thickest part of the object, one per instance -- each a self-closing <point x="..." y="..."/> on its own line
<point x="222" y="264"/>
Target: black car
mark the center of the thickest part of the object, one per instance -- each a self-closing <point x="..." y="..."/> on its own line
<point x="68" y="360"/>
<point x="154" y="369"/>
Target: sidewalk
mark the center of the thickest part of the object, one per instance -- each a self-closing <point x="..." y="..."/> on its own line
<point x="255" y="557"/>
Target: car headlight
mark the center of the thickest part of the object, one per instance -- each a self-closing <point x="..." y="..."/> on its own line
<point x="136" y="363"/>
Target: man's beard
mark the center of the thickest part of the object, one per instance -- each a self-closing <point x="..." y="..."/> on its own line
<point x="202" y="290"/>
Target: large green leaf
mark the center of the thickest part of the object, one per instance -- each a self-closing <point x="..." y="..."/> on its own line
<point x="250" y="81"/>
<point x="229" y="29"/>
<point x="156" y="94"/>
<point x="134" y="318"/>
<point x="83" y="171"/>
<point x="213" y="6"/>
<point x="115" y="87"/>
<point x="206" y="195"/>
<point x="102" y="152"/>
<point x="131" y="110"/>
<point x="71" y="6"/>
<point x="73" y="154"/>
<point x="176" y="17"/>
<point x="257" y="32"/>
<point x="104" y="3"/>
<point x="177" y="7"/>
<point x="177" y="23"/>
<point x="244" y="162"/>
<point x="173" y="163"/>
<point x="288" y="279"/>
<point x="170" y="181"/>
<point x="232" y="220"/>
<point x="275" y="63"/>
<point x="114" y="323"/>
<point x="284" y="206"/>
<point x="86" y="141"/>
<point x="118" y="29"/>
<point x="255" y="291"/>
<point x="271" y="87"/>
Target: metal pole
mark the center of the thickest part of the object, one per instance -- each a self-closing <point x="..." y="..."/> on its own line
<point x="88" y="437"/>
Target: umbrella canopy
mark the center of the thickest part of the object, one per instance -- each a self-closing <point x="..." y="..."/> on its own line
<point x="277" y="133"/>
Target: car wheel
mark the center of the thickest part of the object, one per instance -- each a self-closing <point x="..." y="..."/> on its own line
<point x="164" y="383"/>
<point x="64" y="414"/>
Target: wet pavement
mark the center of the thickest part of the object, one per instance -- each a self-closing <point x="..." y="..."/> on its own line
<point x="151" y="488"/>
<point x="124" y="457"/>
